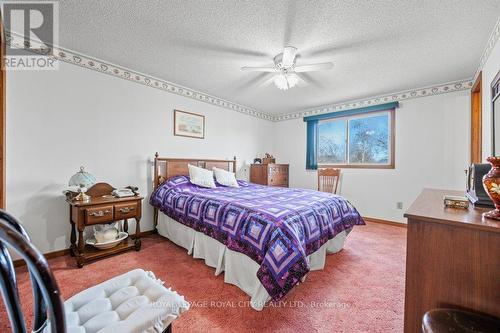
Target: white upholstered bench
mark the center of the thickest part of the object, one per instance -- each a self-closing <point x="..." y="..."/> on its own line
<point x="133" y="302"/>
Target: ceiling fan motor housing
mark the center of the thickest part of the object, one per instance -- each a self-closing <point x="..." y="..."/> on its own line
<point x="278" y="62"/>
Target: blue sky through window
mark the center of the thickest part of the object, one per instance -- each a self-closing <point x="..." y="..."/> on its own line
<point x="332" y="142"/>
<point x="369" y="139"/>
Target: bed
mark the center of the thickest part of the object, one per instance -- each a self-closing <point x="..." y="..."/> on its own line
<point x="265" y="239"/>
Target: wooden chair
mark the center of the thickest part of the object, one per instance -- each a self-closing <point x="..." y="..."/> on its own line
<point x="328" y="180"/>
<point x="52" y="315"/>
<point x="47" y="297"/>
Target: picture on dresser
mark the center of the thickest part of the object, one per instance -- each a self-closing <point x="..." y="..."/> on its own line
<point x="189" y="124"/>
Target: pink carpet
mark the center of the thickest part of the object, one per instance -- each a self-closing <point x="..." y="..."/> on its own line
<point x="361" y="288"/>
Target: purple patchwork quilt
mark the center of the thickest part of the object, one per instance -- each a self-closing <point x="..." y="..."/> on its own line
<point x="276" y="227"/>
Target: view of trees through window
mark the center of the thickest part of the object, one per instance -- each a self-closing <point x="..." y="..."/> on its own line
<point x="356" y="140"/>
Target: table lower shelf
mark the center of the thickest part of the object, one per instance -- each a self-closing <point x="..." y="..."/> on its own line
<point x="91" y="253"/>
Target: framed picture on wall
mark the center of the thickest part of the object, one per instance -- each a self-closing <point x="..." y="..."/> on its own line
<point x="189" y="124"/>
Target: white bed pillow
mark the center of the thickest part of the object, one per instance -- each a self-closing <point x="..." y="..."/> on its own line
<point x="201" y="177"/>
<point x="225" y="178"/>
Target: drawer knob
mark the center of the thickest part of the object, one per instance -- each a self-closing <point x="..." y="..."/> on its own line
<point x="100" y="213"/>
<point x="126" y="209"/>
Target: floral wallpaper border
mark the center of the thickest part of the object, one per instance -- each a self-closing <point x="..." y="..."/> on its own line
<point x="399" y="96"/>
<point x="84" y="61"/>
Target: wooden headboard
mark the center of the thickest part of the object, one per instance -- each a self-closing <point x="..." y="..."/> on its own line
<point x="166" y="168"/>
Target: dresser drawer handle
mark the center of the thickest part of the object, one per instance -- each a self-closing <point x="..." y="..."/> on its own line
<point x="99" y="213"/>
<point x="126" y="210"/>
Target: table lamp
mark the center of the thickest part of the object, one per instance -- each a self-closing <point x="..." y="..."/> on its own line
<point x="84" y="181"/>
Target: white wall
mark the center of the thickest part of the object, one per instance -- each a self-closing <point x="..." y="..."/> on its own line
<point x="432" y="150"/>
<point x="490" y="69"/>
<point x="59" y="120"/>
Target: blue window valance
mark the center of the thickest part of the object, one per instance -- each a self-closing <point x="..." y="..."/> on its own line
<point x="312" y="128"/>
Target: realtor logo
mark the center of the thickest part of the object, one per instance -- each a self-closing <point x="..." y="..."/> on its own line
<point x="31" y="29"/>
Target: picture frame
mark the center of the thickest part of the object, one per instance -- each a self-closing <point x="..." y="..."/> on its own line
<point x="495" y="115"/>
<point x="189" y="124"/>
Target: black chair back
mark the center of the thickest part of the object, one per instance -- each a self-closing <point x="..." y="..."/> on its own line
<point x="48" y="304"/>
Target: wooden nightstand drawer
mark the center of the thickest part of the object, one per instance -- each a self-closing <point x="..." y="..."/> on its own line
<point x="100" y="214"/>
<point x="125" y="211"/>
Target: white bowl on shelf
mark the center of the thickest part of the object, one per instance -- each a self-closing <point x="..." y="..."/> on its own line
<point x="109" y="244"/>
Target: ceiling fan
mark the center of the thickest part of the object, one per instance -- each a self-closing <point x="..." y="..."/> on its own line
<point x="286" y="69"/>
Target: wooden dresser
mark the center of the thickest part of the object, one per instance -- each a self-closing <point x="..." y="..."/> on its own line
<point x="269" y="174"/>
<point x="452" y="259"/>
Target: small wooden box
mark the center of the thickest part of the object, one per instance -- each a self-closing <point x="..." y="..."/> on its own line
<point x="268" y="160"/>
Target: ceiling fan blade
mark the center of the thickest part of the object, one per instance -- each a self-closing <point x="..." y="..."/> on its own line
<point x="309" y="78"/>
<point x="314" y="67"/>
<point x="301" y="82"/>
<point x="289" y="54"/>
<point x="268" y="81"/>
<point x="220" y="50"/>
<point x="249" y="81"/>
<point x="259" y="69"/>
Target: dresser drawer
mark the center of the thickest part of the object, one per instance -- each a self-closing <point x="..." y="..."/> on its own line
<point x="98" y="215"/>
<point x="279" y="184"/>
<point x="282" y="169"/>
<point x="278" y="175"/>
<point x="125" y="211"/>
<point x="278" y="169"/>
<point x="278" y="179"/>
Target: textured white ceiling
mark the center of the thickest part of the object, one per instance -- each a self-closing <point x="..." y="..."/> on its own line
<point x="377" y="46"/>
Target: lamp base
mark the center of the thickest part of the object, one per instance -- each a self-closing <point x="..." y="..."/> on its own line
<point x="492" y="214"/>
<point x="82" y="197"/>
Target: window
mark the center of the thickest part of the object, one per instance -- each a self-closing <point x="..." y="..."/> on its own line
<point x="364" y="141"/>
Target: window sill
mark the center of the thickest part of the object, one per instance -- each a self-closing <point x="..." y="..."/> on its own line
<point x="357" y="166"/>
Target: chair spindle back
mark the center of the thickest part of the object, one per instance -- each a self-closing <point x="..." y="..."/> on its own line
<point x="328" y="180"/>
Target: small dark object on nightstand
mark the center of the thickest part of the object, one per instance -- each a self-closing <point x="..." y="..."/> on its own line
<point x="134" y="189"/>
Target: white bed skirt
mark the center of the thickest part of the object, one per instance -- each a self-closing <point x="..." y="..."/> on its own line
<point x="238" y="269"/>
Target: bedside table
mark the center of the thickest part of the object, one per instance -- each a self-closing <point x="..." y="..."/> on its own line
<point x="102" y="208"/>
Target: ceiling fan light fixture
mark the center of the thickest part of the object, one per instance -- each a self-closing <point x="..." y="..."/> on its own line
<point x="286" y="81"/>
<point x="288" y="72"/>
